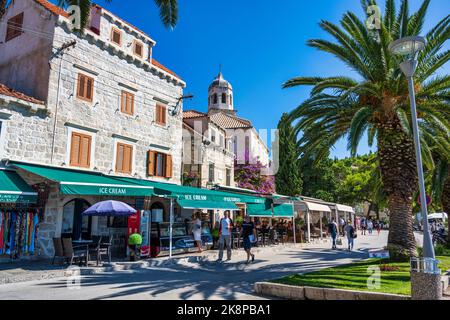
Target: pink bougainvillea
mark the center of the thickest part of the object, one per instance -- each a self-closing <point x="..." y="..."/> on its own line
<point x="248" y="176"/>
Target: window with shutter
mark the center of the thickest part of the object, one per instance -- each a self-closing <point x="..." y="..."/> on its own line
<point x="80" y="150"/>
<point x="124" y="158"/>
<point x="127" y="103"/>
<point x="161" y="112"/>
<point x="85" y="90"/>
<point x="160" y="164"/>
<point x="138" y="49"/>
<point x="116" y="36"/>
<point x="14" y="27"/>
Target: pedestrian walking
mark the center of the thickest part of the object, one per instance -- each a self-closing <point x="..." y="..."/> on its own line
<point x="197" y="230"/>
<point x="370" y="226"/>
<point x="358" y="223"/>
<point x="341" y="225"/>
<point x="363" y="226"/>
<point x="248" y="234"/>
<point x="378" y="227"/>
<point x="225" y="227"/>
<point x="333" y="231"/>
<point x="351" y="235"/>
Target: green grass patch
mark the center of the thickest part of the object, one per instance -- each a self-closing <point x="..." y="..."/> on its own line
<point x="395" y="276"/>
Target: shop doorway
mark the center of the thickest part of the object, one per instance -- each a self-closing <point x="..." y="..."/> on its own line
<point x="74" y="224"/>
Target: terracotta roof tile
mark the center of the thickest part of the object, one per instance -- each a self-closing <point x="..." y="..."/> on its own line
<point x="189" y="114"/>
<point x="4" y="90"/>
<point x="52" y="8"/>
<point x="159" y="65"/>
<point x="230" y="122"/>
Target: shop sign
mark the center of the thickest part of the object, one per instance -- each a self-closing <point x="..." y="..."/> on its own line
<point x="112" y="191"/>
<point x="197" y="197"/>
<point x="17" y="198"/>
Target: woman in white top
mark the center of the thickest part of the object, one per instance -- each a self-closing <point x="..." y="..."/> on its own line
<point x="197" y="231"/>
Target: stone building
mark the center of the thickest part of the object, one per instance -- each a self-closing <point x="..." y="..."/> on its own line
<point x="95" y="104"/>
<point x="208" y="158"/>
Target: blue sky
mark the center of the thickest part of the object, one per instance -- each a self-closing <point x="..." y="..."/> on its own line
<point x="260" y="44"/>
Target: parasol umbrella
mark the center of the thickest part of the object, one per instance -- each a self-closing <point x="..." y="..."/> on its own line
<point x="110" y="208"/>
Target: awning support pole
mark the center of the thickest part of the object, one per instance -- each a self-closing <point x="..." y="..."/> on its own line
<point x="170" y="228"/>
<point x="293" y="227"/>
<point x="321" y="233"/>
<point x="308" y="227"/>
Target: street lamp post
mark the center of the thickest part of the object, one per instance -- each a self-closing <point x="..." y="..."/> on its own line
<point x="425" y="275"/>
<point x="410" y="47"/>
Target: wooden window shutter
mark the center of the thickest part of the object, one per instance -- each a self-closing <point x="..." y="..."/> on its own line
<point x="85" y="90"/>
<point x="89" y="88"/>
<point x="116" y="36"/>
<point x="127" y="103"/>
<point x="131" y="101"/>
<point x="85" y="154"/>
<point x="163" y="116"/>
<point x="75" y="149"/>
<point x="169" y="166"/>
<point x="138" y="49"/>
<point x="127" y="159"/>
<point x="80" y="150"/>
<point x="151" y="163"/>
<point x="81" y="81"/>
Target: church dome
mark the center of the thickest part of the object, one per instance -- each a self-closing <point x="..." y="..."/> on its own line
<point x="220" y="82"/>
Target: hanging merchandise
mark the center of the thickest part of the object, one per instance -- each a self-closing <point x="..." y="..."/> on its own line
<point x="18" y="233"/>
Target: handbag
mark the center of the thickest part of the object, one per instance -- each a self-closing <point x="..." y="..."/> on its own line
<point x="251" y="238"/>
<point x="339" y="241"/>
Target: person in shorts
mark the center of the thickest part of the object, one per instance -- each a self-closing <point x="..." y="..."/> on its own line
<point x="248" y="231"/>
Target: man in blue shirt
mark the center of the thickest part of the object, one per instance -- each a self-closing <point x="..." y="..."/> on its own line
<point x="225" y="228"/>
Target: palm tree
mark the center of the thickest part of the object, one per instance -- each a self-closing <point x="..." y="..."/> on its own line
<point x="168" y="10"/>
<point x="438" y="177"/>
<point x="377" y="102"/>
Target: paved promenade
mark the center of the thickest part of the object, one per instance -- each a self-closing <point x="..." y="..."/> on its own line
<point x="194" y="277"/>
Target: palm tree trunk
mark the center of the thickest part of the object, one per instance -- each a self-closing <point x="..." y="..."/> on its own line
<point x="445" y="199"/>
<point x="398" y="173"/>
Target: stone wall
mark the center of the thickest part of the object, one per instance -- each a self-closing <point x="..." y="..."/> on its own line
<point x="24" y="59"/>
<point x="44" y="137"/>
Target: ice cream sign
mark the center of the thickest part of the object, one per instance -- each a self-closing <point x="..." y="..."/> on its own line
<point x="197" y="197"/>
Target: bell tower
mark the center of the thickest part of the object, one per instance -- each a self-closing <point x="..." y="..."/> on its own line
<point x="220" y="94"/>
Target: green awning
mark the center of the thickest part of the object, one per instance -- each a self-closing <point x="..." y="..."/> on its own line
<point x="87" y="183"/>
<point x="260" y="209"/>
<point x="13" y="189"/>
<point x="208" y="205"/>
<point x="196" y="194"/>
<point x="284" y="210"/>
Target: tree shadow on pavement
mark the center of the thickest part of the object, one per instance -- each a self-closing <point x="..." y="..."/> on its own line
<point x="205" y="279"/>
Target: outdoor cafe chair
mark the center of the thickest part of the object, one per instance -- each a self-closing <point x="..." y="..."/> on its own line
<point x="95" y="246"/>
<point x="73" y="253"/>
<point x="104" y="248"/>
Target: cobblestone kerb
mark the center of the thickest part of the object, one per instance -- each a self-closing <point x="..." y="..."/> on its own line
<point x="314" y="293"/>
